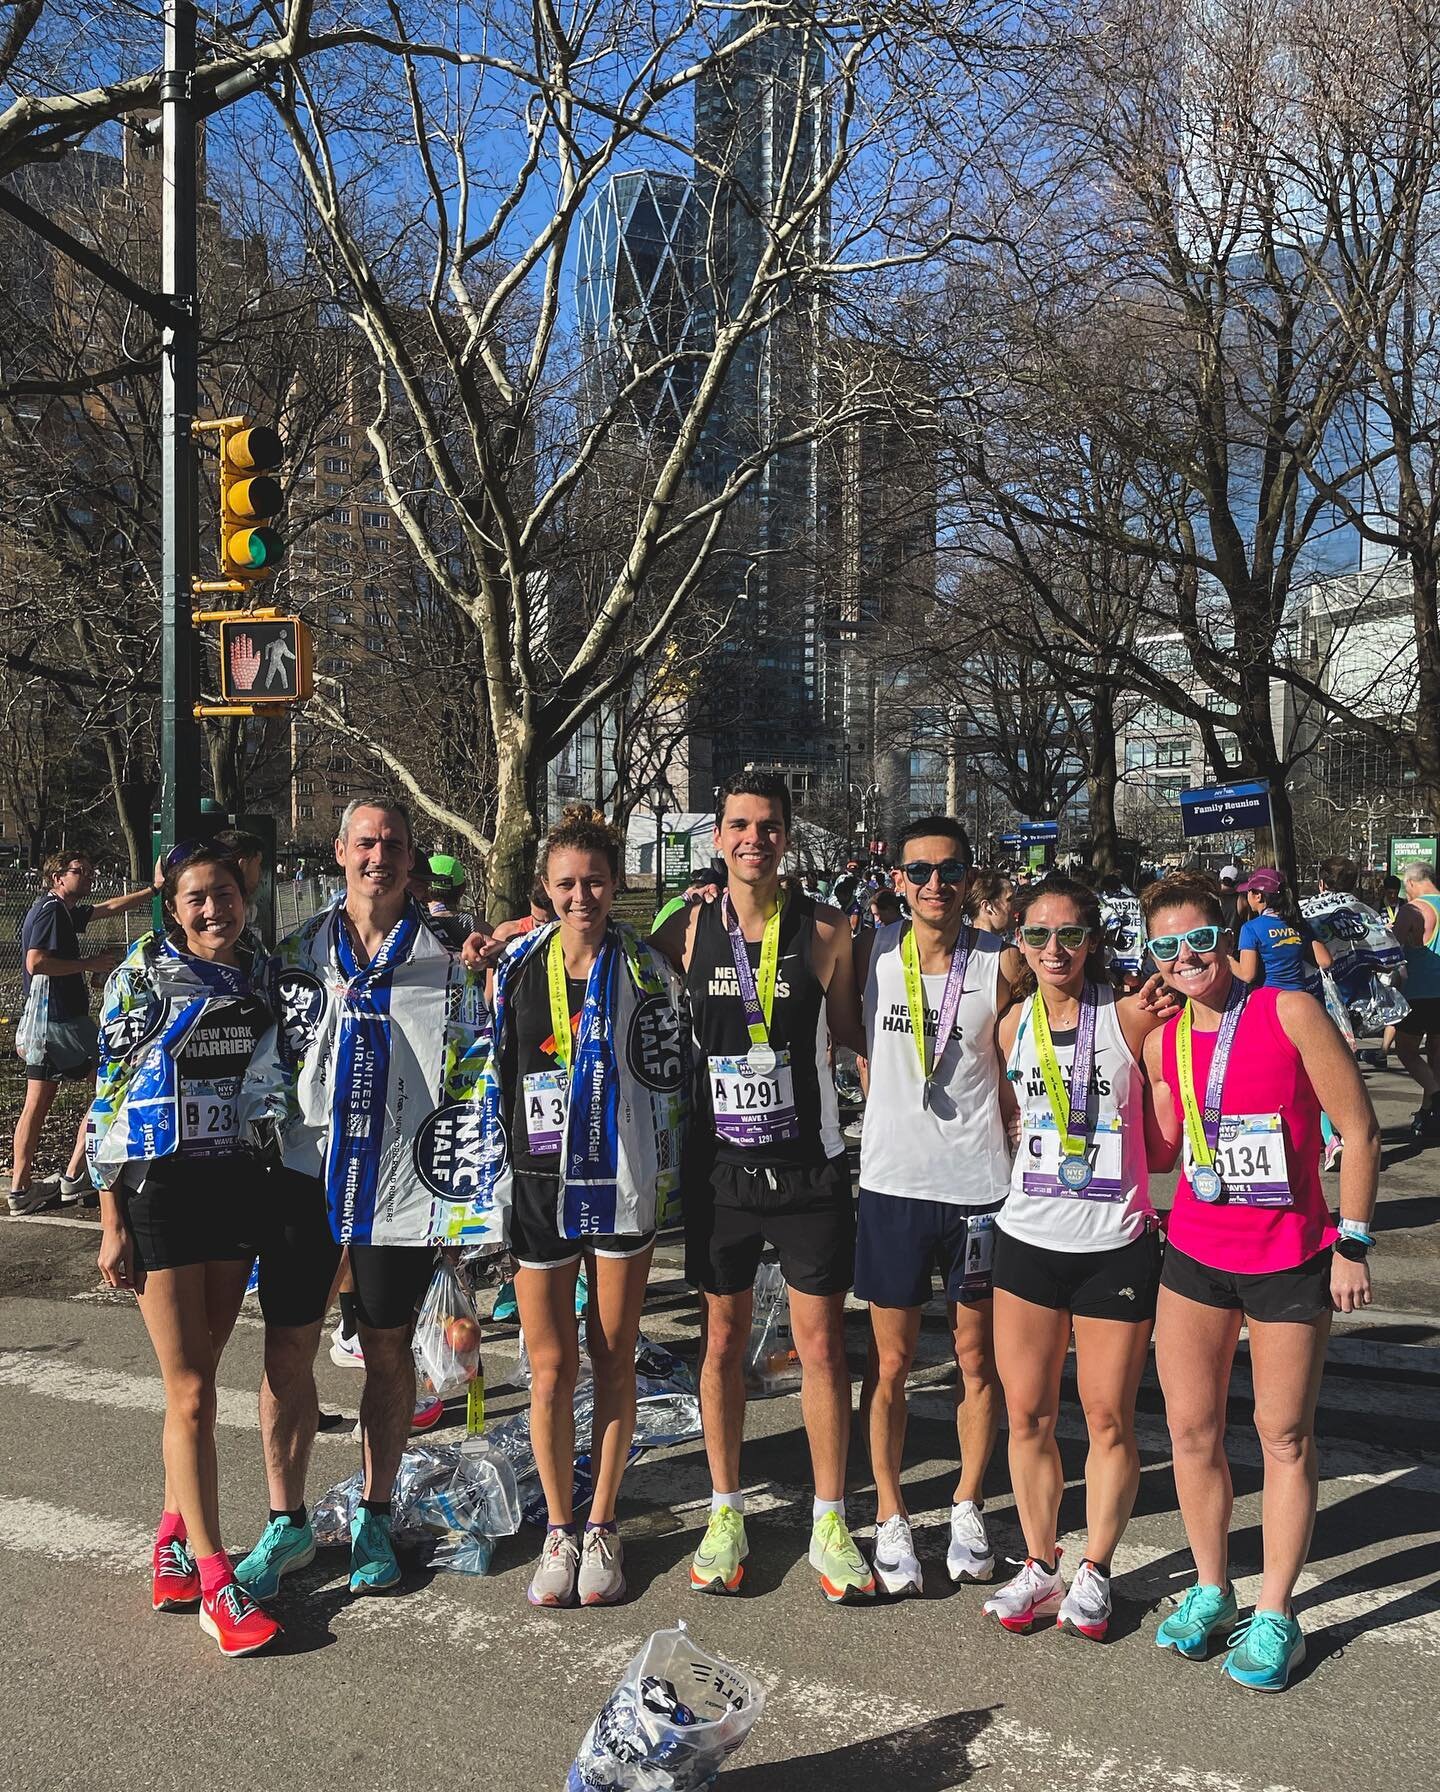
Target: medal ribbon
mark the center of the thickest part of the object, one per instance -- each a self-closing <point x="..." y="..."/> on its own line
<point x="758" y="1001"/>
<point x="1056" y="1089"/>
<point x="949" y="1001"/>
<point x="1203" y="1131"/>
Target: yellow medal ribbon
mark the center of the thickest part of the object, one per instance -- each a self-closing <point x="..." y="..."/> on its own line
<point x="1055" y="1090"/>
<point x="559" y="999"/>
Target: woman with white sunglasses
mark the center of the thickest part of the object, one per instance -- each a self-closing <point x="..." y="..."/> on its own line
<point x="1077" y="1248"/>
<point x="1239" y="1078"/>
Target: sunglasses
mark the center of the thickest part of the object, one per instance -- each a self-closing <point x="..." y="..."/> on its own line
<point x="1165" y="947"/>
<point x="949" y="871"/>
<point x="181" y="851"/>
<point x="1071" y="937"/>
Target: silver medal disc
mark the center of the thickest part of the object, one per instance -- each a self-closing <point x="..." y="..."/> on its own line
<point x="1206" y="1183"/>
<point x="1075" y="1172"/>
<point x="761" y="1059"/>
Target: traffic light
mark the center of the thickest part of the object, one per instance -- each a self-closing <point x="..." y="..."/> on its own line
<point x="264" y="658"/>
<point x="250" y="499"/>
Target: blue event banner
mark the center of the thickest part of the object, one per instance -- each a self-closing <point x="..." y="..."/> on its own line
<point x="1224" y="809"/>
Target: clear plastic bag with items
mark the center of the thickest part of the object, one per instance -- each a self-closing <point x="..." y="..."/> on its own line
<point x="772" y="1364"/>
<point x="669" y="1726"/>
<point x="33" y="1028"/>
<point x="1335" y="1007"/>
<point x="452" y="1500"/>
<point x="447" y="1336"/>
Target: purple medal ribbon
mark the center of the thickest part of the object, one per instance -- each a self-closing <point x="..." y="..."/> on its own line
<point x="1220" y="1062"/>
<point x="760" y="1054"/>
<point x="949" y="1005"/>
<point x="1082" y="1065"/>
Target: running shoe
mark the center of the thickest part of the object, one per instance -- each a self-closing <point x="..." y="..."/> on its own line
<point x="1033" y="1597"/>
<point x="896" y="1564"/>
<point x="505" y="1307"/>
<point x="175" y="1583"/>
<point x="35" y="1198"/>
<point x="75" y="1189"/>
<point x="1265" y="1651"/>
<point x="427" y="1414"/>
<point x="845" y="1577"/>
<point x="1333" y="1148"/>
<point x="1085" y="1609"/>
<point x="718" y="1565"/>
<point x="969" y="1556"/>
<point x="373" y="1567"/>
<point x="232" y="1617"/>
<point x="1422" y="1126"/>
<point x="582" y="1293"/>
<point x="602" y="1568"/>
<point x="1204" y="1613"/>
<point x="283" y="1547"/>
<point x="553" y="1582"/>
<point x="345" y="1352"/>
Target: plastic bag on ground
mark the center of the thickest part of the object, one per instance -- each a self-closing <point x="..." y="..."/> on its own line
<point x="454" y="1500"/>
<point x="772" y="1365"/>
<point x="670" y="1724"/>
<point x="33" y="1028"/>
<point x="447" y="1336"/>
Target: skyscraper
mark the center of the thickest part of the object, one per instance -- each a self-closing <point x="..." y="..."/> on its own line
<point x="760" y="131"/>
<point x="633" y="296"/>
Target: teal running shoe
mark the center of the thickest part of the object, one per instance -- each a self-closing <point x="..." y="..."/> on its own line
<point x="373" y="1567"/>
<point x="582" y="1294"/>
<point x="505" y="1307"/>
<point x="283" y="1547"/>
<point x="1265" y="1651"/>
<point x="1203" y="1613"/>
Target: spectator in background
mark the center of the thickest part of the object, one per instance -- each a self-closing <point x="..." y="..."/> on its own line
<point x="248" y="852"/>
<point x="541" y="913"/>
<point x="1235" y="910"/>
<point x="989" y="902"/>
<point x="885" y="908"/>
<point x="1389" y="898"/>
<point x="1275" y="937"/>
<point x="50" y="947"/>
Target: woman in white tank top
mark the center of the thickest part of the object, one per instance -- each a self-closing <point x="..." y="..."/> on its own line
<point x="1077" y="1247"/>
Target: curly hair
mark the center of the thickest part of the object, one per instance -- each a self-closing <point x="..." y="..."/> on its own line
<point x="582" y="829"/>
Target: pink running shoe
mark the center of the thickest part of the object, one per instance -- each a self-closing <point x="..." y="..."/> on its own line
<point x="1033" y="1597"/>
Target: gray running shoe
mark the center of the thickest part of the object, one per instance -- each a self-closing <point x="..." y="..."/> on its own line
<point x="553" y="1582"/>
<point x="602" y="1569"/>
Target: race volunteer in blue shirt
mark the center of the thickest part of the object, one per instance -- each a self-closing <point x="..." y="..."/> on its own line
<point x="1275" y="938"/>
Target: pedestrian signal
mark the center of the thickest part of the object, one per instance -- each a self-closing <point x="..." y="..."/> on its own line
<point x="265" y="661"/>
<point x="251" y="498"/>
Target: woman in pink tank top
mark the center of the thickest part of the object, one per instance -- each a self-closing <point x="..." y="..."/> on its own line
<point x="1239" y="1079"/>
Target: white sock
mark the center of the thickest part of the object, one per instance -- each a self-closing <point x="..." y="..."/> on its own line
<point x="821" y="1507"/>
<point x="735" y="1501"/>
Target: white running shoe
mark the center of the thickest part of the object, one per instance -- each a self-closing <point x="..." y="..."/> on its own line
<point x="1033" y="1597"/>
<point x="969" y="1556"/>
<point x="345" y="1352"/>
<point x="1086" y="1608"/>
<point x="897" y="1567"/>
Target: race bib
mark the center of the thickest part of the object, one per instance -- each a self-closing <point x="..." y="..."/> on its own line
<point x="209" y="1117"/>
<point x="979" y="1255"/>
<point x="1040" y="1146"/>
<point x="753" y="1109"/>
<point x="545" y="1093"/>
<point x="1250" y="1157"/>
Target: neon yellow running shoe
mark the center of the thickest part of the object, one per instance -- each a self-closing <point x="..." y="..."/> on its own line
<point x="718" y="1566"/>
<point x="845" y="1576"/>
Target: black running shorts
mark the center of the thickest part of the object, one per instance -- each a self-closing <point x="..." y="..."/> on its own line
<point x="1118" y="1284"/>
<point x="197" y="1210"/>
<point x="1296" y="1295"/>
<point x="732" y="1213"/>
<point x="299" y="1258"/>
<point x="536" y="1242"/>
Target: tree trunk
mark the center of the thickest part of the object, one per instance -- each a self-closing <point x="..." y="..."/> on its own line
<point x="225" y="737"/>
<point x="1425" y="742"/>
<point x="510" y="866"/>
<point x="1103" y="781"/>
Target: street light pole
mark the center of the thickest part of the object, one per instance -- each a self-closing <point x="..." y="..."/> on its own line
<point x="179" y="396"/>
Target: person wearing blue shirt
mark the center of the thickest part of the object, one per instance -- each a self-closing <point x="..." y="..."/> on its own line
<point x="1275" y="938"/>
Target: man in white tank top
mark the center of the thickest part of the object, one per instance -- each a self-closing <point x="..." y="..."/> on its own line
<point x="934" y="1170"/>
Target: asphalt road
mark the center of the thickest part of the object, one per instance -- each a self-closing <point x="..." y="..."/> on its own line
<point x="456" y="1680"/>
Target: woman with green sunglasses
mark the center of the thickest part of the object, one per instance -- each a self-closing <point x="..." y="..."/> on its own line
<point x="1239" y="1080"/>
<point x="1077" y="1249"/>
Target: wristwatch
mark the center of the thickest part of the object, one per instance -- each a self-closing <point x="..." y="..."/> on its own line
<point x="1353" y="1249"/>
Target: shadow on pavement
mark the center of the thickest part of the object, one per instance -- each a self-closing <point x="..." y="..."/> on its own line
<point x="928" y="1757"/>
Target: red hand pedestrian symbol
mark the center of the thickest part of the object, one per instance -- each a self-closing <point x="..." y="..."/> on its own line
<point x="244" y="662"/>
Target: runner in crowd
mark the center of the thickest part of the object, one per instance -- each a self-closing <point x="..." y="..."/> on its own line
<point x="182" y="1202"/>
<point x="934" y="1171"/>
<point x="50" y="947"/>
<point x="540" y="913"/>
<point x="248" y="852"/>
<point x="885" y="908"/>
<point x="447" y="890"/>
<point x="1417" y="927"/>
<point x="1078" y="1246"/>
<point x="1275" y="938"/>
<point x="770" y="984"/>
<point x="1240" y="1077"/>
<point x="593" y="1074"/>
<point x="1391" y="895"/>
<point x="1233" y="905"/>
<point x="377" y="1028"/>
<point x="990" y="902"/>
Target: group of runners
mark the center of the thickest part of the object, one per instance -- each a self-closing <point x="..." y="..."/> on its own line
<point x="568" y="1088"/>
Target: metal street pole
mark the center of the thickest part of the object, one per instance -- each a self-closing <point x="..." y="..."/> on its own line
<point x="179" y="735"/>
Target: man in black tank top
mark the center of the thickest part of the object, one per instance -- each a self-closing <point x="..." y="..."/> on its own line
<point x="769" y="984"/>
